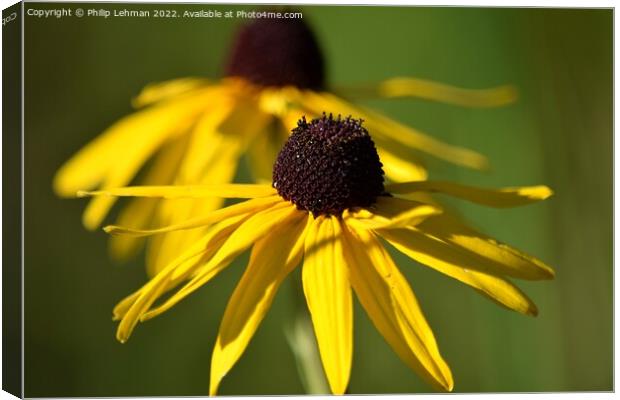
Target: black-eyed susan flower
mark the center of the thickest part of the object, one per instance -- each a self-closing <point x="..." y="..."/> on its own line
<point x="328" y="209"/>
<point x="194" y="130"/>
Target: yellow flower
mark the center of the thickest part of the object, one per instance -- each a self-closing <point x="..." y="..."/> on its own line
<point x="328" y="205"/>
<point x="195" y="130"/>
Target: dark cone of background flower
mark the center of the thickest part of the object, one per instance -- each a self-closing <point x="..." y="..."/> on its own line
<point x="277" y="52"/>
<point x="329" y="165"/>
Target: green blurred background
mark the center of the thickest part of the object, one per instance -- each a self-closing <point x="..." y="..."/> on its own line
<point x="80" y="75"/>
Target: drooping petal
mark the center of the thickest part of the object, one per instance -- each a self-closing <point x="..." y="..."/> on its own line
<point x="124" y="305"/>
<point x="253" y="205"/>
<point x="230" y="191"/>
<point x="184" y="264"/>
<point x="430" y="90"/>
<point x="449" y="260"/>
<point x="328" y="294"/>
<point x="500" y="198"/>
<point x="160" y="91"/>
<point x="131" y="309"/>
<point x="391" y="305"/>
<point x="243" y="237"/>
<point x="273" y="258"/>
<point x="503" y="258"/>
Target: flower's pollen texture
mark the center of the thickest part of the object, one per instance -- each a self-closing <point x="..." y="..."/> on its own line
<point x="329" y="165"/>
<point x="277" y="52"/>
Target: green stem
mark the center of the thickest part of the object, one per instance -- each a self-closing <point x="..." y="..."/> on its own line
<point x="300" y="337"/>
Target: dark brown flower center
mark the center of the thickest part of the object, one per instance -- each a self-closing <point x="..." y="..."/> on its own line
<point x="329" y="165"/>
<point x="277" y="52"/>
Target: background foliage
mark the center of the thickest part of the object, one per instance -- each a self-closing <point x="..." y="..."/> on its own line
<point x="81" y="74"/>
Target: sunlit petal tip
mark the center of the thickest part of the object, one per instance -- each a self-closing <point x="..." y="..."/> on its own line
<point x="444" y="381"/>
<point x="84" y="193"/>
<point x="450" y="385"/>
<point x="90" y="222"/>
<point x="540" y="192"/>
<point x="121" y="336"/>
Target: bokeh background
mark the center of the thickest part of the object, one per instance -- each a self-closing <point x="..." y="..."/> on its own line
<point x="81" y="74"/>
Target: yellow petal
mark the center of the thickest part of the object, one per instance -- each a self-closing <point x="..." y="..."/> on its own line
<point x="500" y="198"/>
<point x="273" y="258"/>
<point x="398" y="169"/>
<point x="392" y="136"/>
<point x="391" y="305"/>
<point x="124" y="305"/>
<point x="158" y="91"/>
<point x="497" y="257"/>
<point x="278" y="101"/>
<point x="281" y="105"/>
<point x="243" y="237"/>
<point x="264" y="149"/>
<point x="245" y="207"/>
<point x="215" y="238"/>
<point x="328" y="294"/>
<point x="149" y="293"/>
<point x="392" y="213"/>
<point x="292" y="117"/>
<point x="206" y="143"/>
<point x="429" y="90"/>
<point x="139" y="212"/>
<point x="247" y="120"/>
<point x="449" y="260"/>
<point x="231" y="190"/>
<point x="164" y="247"/>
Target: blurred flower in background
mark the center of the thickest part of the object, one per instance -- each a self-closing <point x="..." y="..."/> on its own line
<point x="328" y="204"/>
<point x="194" y="131"/>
